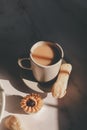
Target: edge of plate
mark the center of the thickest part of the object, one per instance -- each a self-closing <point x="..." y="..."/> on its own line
<point x="3" y="103"/>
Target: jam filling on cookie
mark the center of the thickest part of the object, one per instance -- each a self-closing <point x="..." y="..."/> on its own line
<point x="30" y="102"/>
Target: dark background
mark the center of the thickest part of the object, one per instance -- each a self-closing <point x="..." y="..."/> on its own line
<point x="24" y="22"/>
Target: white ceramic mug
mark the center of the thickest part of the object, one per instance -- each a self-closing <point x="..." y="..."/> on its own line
<point x="41" y="72"/>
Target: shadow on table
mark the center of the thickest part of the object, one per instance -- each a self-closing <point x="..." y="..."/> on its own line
<point x="13" y="104"/>
<point x="12" y="72"/>
<point x="71" y="108"/>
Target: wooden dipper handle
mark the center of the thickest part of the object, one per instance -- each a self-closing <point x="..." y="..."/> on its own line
<point x="60" y="86"/>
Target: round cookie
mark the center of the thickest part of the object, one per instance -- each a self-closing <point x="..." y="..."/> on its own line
<point x="31" y="103"/>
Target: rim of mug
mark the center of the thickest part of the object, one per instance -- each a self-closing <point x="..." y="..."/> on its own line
<point x="46" y="42"/>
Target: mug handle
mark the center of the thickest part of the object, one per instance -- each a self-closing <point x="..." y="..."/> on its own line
<point x="20" y="60"/>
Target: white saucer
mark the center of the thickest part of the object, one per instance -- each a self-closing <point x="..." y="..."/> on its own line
<point x="34" y="85"/>
<point x="38" y="87"/>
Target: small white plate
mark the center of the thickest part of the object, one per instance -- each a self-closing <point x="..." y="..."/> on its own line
<point x="2" y="102"/>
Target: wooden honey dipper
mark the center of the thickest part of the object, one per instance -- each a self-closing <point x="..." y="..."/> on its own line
<point x="60" y="86"/>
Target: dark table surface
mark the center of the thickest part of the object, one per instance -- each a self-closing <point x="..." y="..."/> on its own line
<point x="22" y="23"/>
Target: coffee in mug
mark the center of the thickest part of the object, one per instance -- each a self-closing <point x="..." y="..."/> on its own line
<point x="45" y="59"/>
<point x="46" y="54"/>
